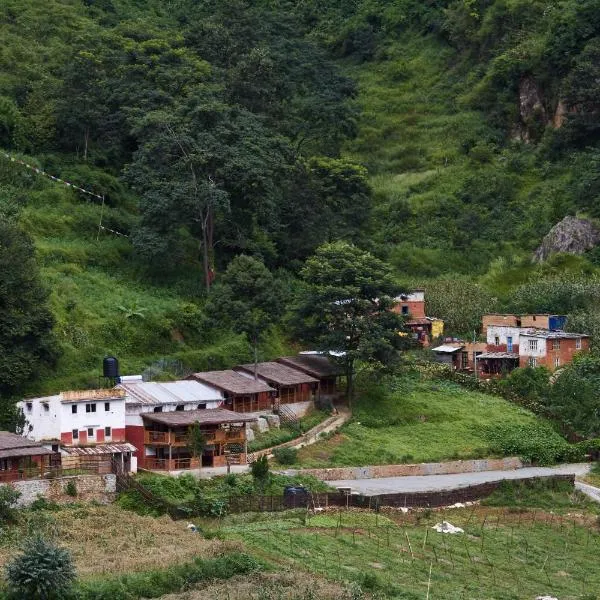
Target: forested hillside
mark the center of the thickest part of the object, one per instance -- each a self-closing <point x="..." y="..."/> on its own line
<point x="446" y="137"/>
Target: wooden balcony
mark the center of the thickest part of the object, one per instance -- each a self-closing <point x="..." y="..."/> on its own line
<point x="180" y="438"/>
<point x="175" y="464"/>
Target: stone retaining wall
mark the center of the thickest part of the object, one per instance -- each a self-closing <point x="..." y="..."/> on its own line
<point x="101" y="488"/>
<point x="443" y="468"/>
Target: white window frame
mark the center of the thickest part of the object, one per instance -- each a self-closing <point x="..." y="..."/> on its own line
<point x="577" y="343"/>
<point x="533" y="345"/>
<point x="533" y="361"/>
<point x="557" y="361"/>
<point x="555" y="344"/>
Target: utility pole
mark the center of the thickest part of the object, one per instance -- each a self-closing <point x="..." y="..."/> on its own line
<point x="475" y="355"/>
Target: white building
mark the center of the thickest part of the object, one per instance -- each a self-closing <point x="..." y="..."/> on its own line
<point x="76" y="418"/>
<point x="88" y="424"/>
<point x="504" y="337"/>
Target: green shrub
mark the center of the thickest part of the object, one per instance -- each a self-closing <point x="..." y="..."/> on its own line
<point x="537" y="443"/>
<point x="71" y="488"/>
<point x="286" y="456"/>
<point x="41" y="503"/>
<point x="42" y="572"/>
<point x="8" y="501"/>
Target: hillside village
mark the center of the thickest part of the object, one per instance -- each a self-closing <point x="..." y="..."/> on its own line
<point x="134" y="424"/>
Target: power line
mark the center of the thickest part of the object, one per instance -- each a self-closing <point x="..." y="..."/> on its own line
<point x="39" y="171"/>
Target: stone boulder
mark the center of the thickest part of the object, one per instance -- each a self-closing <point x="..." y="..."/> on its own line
<point x="571" y="235"/>
<point x="273" y="421"/>
<point x="260" y="425"/>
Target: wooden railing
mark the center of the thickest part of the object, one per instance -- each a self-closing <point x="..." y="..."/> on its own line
<point x="175" y="464"/>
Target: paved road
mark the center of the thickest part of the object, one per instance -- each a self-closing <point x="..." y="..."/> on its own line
<point x="432" y="483"/>
<point x="589" y="490"/>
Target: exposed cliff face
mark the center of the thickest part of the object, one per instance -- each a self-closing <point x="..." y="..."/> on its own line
<point x="571" y="235"/>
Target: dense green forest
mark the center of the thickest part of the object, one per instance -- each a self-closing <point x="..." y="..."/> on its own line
<point x="446" y="137"/>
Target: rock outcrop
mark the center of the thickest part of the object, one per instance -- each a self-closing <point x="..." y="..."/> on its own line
<point x="571" y="235"/>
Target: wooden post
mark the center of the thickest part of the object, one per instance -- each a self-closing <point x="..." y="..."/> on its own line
<point x="170" y="448"/>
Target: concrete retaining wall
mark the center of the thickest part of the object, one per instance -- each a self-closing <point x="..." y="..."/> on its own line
<point x="443" y="468"/>
<point x="101" y="488"/>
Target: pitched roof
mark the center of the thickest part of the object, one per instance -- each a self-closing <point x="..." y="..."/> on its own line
<point x="315" y="365"/>
<point x="169" y="392"/>
<point x="12" y="445"/>
<point x="233" y="382"/>
<point x="278" y="373"/>
<point x="209" y="416"/>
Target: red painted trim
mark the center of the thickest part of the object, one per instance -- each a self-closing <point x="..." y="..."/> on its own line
<point x="118" y="434"/>
<point x="100" y="434"/>
<point x="66" y="438"/>
<point x="83" y="436"/>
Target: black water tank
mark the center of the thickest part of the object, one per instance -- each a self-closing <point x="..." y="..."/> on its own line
<point x="110" y="367"/>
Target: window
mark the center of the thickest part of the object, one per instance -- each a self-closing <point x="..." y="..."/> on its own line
<point x="74" y="409"/>
<point x="557" y="362"/>
<point x="75" y="434"/>
<point x="533" y="344"/>
<point x="179" y="407"/>
<point x="532" y="361"/>
<point x="578" y="344"/>
<point x="509" y="344"/>
<point x="202" y="406"/>
<point x="90" y="408"/>
<point x="496" y="341"/>
<point x="405" y="310"/>
<point x="107" y="432"/>
<point x="106" y="406"/>
<point x="29" y="406"/>
<point x="464" y="360"/>
<point x="46" y="406"/>
<point x="534" y="317"/>
<point x="555" y="344"/>
<point x="54" y="447"/>
<point x="90" y="432"/>
<point x="158" y="409"/>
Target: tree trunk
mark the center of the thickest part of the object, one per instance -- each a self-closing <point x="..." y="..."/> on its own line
<point x="205" y="256"/>
<point x="350" y="382"/>
<point x="255" y="358"/>
<point x="86" y="137"/>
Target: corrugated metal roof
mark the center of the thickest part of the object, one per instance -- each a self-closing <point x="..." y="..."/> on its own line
<point x="447" y="348"/>
<point x="100" y="449"/>
<point x="170" y="392"/>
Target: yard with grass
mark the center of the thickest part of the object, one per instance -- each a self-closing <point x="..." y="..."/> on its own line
<point x="505" y="553"/>
<point x="411" y="420"/>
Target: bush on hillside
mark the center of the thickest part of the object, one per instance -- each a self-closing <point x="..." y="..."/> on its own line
<point x="8" y="502"/>
<point x="286" y="456"/>
<point x="536" y="443"/>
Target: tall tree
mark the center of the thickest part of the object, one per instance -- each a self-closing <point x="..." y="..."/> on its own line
<point x="26" y="342"/>
<point x="345" y="308"/>
<point x="248" y="299"/>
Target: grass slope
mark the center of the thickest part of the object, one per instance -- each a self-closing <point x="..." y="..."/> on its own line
<point x="418" y="421"/>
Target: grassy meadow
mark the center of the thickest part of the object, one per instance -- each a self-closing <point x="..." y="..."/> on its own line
<point x="416" y="421"/>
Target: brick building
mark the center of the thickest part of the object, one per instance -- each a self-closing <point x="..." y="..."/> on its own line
<point x="550" y="349"/>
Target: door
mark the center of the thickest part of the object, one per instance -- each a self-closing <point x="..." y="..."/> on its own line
<point x="509" y="344"/>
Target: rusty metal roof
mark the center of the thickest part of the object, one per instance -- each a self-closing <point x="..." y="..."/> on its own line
<point x="101" y="394"/>
<point x="208" y="416"/>
<point x="169" y="392"/>
<point x="99" y="449"/>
